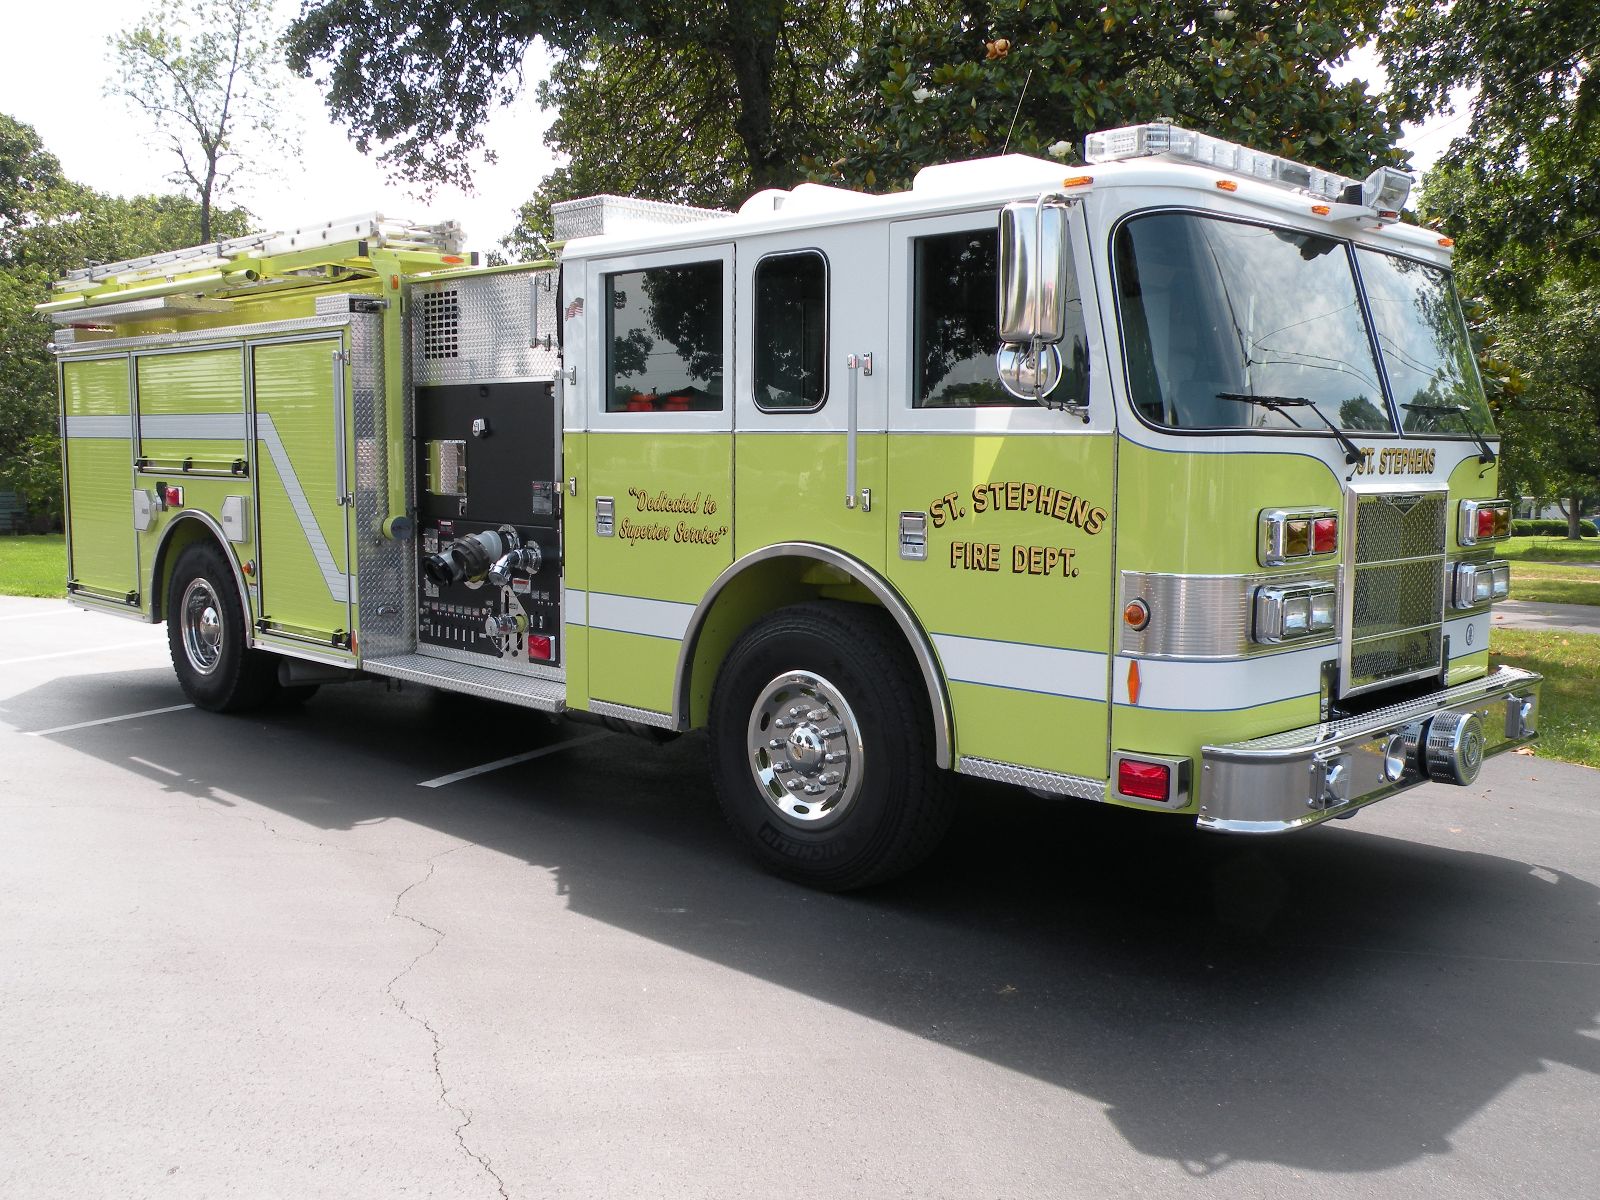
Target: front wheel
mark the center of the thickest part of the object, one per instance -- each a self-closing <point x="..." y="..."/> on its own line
<point x="823" y="748"/>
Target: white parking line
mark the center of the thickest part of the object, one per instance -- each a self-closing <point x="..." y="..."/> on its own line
<point x="456" y="776"/>
<point x="149" y="712"/>
<point x="11" y="662"/>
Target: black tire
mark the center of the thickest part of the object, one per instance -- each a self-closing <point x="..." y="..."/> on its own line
<point x="207" y="639"/>
<point x="847" y="667"/>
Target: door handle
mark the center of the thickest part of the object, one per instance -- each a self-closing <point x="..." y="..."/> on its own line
<point x="857" y="365"/>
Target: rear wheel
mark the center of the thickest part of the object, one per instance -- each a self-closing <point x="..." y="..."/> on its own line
<point x="823" y="746"/>
<point x="206" y="635"/>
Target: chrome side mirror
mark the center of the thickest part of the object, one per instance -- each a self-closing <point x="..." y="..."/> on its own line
<point x="1034" y="260"/>
<point x="1033" y="267"/>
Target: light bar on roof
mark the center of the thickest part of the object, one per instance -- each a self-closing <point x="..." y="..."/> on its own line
<point x="1185" y="145"/>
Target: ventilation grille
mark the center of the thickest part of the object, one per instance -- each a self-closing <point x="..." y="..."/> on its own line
<point x="1397" y="608"/>
<point x="441" y="325"/>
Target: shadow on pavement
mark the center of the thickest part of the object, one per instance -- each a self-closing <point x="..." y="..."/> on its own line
<point x="1335" y="1001"/>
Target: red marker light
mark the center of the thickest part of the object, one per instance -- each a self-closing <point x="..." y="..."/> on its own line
<point x="1486" y="522"/>
<point x="539" y="647"/>
<point x="1325" y="535"/>
<point x="172" y="497"/>
<point x="1144" y="781"/>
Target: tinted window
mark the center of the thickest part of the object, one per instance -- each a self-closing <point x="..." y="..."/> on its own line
<point x="664" y="339"/>
<point x="1425" y="346"/>
<point x="791" y="324"/>
<point x="957" y="325"/>
<point x="1214" y="308"/>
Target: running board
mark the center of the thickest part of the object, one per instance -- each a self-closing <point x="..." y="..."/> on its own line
<point x="546" y="695"/>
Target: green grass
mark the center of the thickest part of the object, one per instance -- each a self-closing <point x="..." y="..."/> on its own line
<point x="1555" y="584"/>
<point x="1548" y="549"/>
<point x="1569" y="702"/>
<point x="33" y="565"/>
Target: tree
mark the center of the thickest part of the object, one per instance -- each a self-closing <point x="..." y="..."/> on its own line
<point x="49" y="225"/>
<point x="420" y="77"/>
<point x="970" y="79"/>
<point x="208" y="74"/>
<point x="1532" y="140"/>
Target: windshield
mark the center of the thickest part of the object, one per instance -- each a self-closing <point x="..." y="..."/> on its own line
<point x="1426" y="351"/>
<point x="1214" y="310"/>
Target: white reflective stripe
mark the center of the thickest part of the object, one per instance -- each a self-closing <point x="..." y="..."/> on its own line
<point x="1468" y="635"/>
<point x="205" y="427"/>
<point x="267" y="434"/>
<point x="1080" y="674"/>
<point x="1222" y="686"/>
<point x="575" y="608"/>
<point x="119" y="426"/>
<point x="635" y="614"/>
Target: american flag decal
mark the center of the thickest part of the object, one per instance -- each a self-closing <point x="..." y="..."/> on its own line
<point x="575" y="309"/>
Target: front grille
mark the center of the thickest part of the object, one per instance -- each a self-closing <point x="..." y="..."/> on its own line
<point x="1395" y="629"/>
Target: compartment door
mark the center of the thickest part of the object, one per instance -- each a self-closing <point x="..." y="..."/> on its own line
<point x="98" y="427"/>
<point x="302" y="441"/>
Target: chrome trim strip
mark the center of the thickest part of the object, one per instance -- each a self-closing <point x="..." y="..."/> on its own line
<point x="202" y="427"/>
<point x="125" y="611"/>
<point x="118" y="426"/>
<point x="626" y="712"/>
<point x="1078" y="787"/>
<point x="1209" y="617"/>
<point x="882" y="591"/>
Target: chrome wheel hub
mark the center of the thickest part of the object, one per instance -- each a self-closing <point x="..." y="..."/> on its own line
<point x="200" y="619"/>
<point x="805" y="749"/>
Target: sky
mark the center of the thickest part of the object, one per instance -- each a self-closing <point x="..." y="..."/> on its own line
<point x="59" y="92"/>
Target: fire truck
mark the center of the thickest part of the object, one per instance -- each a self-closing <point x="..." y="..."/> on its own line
<point x="1165" y="481"/>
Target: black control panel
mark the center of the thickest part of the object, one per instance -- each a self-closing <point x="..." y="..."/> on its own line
<point x="488" y="505"/>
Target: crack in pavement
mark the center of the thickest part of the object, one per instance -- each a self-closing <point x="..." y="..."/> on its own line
<point x="438" y="1045"/>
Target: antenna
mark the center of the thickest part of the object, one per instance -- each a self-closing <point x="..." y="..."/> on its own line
<point x="1017" y="110"/>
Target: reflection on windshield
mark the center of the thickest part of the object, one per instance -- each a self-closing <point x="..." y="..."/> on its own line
<point x="1426" y="351"/>
<point x="1214" y="309"/>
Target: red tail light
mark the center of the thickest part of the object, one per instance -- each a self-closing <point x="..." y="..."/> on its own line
<point x="1144" y="781"/>
<point x="1486" y="522"/>
<point x="1325" y="535"/>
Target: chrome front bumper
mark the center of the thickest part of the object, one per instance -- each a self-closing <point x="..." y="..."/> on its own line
<point x="1290" y="780"/>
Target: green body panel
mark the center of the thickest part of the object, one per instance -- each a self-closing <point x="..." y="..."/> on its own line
<point x="200" y="494"/>
<point x="1058" y="593"/>
<point x="295" y="466"/>
<point x="1471" y="480"/>
<point x="792" y="488"/>
<point x="1162" y="498"/>
<point x="100" y="482"/>
<point x="192" y="384"/>
<point x="659" y="555"/>
<point x="577" y="525"/>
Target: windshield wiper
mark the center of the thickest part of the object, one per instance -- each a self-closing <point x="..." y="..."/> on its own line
<point x="1277" y="404"/>
<point x="1485" y="453"/>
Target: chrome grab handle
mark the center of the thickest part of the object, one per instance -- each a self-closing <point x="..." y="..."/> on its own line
<point x="341" y="481"/>
<point x="857" y="365"/>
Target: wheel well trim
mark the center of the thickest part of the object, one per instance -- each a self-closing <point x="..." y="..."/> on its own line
<point x="882" y="590"/>
<point x="210" y="523"/>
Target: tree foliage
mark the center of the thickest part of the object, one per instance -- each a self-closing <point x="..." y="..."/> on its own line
<point x="1531" y="143"/>
<point x="207" y="75"/>
<point x="967" y="79"/>
<point x="48" y="226"/>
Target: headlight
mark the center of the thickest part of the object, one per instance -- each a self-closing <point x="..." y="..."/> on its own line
<point x="1288" y="612"/>
<point x="1477" y="583"/>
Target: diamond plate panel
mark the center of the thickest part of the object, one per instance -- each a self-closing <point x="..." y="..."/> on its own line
<point x="385" y="593"/>
<point x="547" y="695"/>
<point x="483" y="328"/>
<point x="1077" y="786"/>
<point x="594" y="215"/>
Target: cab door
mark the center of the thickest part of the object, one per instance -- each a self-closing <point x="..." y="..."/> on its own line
<point x="813" y="326"/>
<point x="657" y="393"/>
<point x="1001" y="537"/>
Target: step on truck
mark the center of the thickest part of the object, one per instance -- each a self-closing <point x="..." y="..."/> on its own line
<point x="1165" y="481"/>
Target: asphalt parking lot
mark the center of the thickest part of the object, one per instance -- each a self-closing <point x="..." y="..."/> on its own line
<point x="260" y="956"/>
